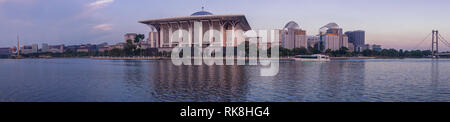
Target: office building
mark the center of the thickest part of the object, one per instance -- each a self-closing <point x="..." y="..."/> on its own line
<point x="332" y="37"/>
<point x="313" y="41"/>
<point x="293" y="37"/>
<point x="5" y="51"/>
<point x="358" y="38"/>
<point x="29" y="49"/>
<point x="44" y="48"/>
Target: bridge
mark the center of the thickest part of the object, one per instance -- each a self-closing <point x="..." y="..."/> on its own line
<point x="443" y="54"/>
<point x="436" y="39"/>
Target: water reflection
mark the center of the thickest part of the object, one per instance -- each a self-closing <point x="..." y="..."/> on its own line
<point x="76" y="80"/>
<point x="434" y="79"/>
<point x="339" y="80"/>
<point x="133" y="73"/>
<point x="199" y="83"/>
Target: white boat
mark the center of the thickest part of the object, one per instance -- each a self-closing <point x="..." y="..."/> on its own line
<point x="315" y="57"/>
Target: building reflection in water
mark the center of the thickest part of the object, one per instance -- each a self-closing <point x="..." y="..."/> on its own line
<point x="296" y="81"/>
<point x="341" y="81"/>
<point x="435" y="91"/>
<point x="198" y="83"/>
<point x="133" y="73"/>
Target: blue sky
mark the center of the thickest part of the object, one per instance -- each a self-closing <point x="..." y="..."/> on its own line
<point x="392" y="23"/>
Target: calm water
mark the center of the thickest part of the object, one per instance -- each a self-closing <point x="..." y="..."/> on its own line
<point x="67" y="80"/>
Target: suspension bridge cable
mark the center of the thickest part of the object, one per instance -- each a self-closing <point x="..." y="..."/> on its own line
<point x="444" y="40"/>
<point x="415" y="47"/>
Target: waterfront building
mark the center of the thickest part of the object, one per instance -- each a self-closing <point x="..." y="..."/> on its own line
<point x="71" y="48"/>
<point x="351" y="47"/>
<point x="29" y="49"/>
<point x="360" y="48"/>
<point x="130" y="36"/>
<point x="153" y="37"/>
<point x="313" y="41"/>
<point x="376" y="47"/>
<point x="56" y="48"/>
<point x="103" y="49"/>
<point x="332" y="37"/>
<point x="373" y="47"/>
<point x="84" y="48"/>
<point x="357" y="37"/>
<point x="119" y="46"/>
<point x="268" y="42"/>
<point x="52" y="48"/>
<point x="44" y="48"/>
<point x="293" y="37"/>
<point x="87" y="48"/>
<point x="165" y="28"/>
<point x="330" y="41"/>
<point x="5" y="51"/>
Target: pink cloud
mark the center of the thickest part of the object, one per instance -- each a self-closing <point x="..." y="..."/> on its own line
<point x="103" y="27"/>
<point x="100" y="3"/>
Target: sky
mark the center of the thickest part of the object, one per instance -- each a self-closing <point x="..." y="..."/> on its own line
<point x="391" y="23"/>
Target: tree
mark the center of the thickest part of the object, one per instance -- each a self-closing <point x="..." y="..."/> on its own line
<point x="314" y="50"/>
<point x="285" y="52"/>
<point x="328" y="52"/>
<point x="300" y="51"/>
<point x="367" y="53"/>
<point x="139" y="38"/>
<point x="129" y="47"/>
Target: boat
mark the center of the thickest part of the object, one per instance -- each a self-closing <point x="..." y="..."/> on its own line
<point x="315" y="57"/>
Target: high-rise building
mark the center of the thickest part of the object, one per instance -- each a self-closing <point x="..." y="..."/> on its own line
<point x="351" y="47"/>
<point x="358" y="37"/>
<point x="44" y="48"/>
<point x="376" y="47"/>
<point x="313" y="41"/>
<point x="293" y="37"/>
<point x="5" y="51"/>
<point x="29" y="49"/>
<point x="332" y="37"/>
<point x="331" y="41"/>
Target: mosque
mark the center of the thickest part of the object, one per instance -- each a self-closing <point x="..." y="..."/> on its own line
<point x="162" y="29"/>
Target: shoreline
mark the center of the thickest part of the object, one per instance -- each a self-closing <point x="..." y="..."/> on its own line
<point x="169" y="58"/>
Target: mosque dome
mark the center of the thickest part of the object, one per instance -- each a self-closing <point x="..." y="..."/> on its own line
<point x="292" y="25"/>
<point x="201" y="13"/>
<point x="329" y="26"/>
<point x="332" y="25"/>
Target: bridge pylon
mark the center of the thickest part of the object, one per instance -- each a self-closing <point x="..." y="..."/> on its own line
<point x="435" y="44"/>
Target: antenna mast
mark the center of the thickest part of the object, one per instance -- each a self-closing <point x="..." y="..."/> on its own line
<point x="203" y="5"/>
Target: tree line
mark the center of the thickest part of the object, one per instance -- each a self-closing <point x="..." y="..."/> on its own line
<point x="133" y="48"/>
<point x="344" y="52"/>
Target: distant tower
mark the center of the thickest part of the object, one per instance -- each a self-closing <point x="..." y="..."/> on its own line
<point x="18" y="46"/>
<point x="435" y="44"/>
<point x="203" y="5"/>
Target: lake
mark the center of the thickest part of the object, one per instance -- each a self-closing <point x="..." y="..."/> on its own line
<point x="91" y="80"/>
